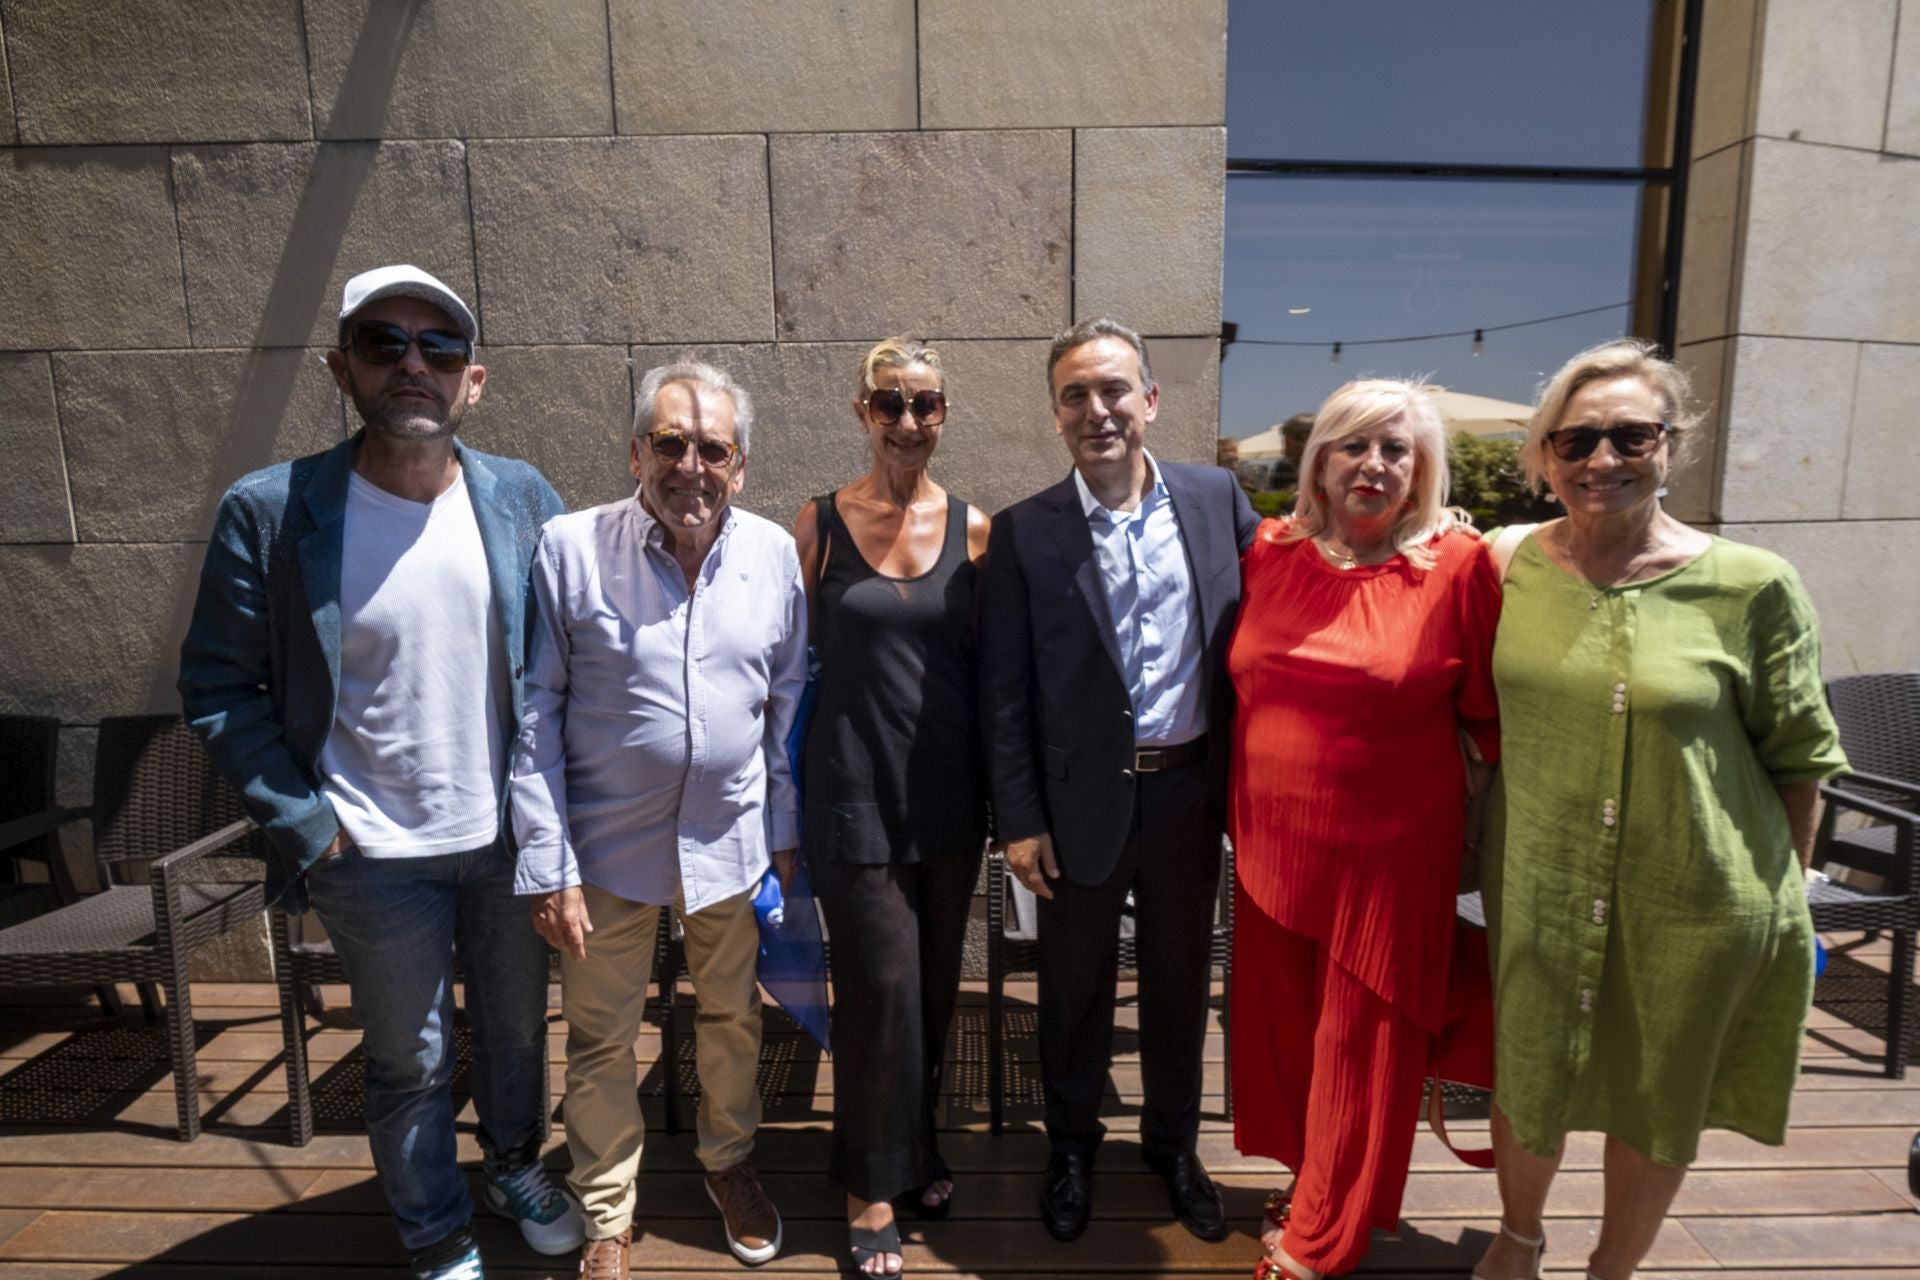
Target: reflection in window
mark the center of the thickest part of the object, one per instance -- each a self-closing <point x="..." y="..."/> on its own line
<point x="1354" y="261"/>
<point x="1490" y="82"/>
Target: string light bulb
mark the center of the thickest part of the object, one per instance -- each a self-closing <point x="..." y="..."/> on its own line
<point x="1336" y="354"/>
<point x="1479" y="341"/>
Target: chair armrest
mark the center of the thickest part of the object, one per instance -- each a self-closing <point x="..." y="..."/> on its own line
<point x="1840" y="799"/>
<point x="21" y="830"/>
<point x="1877" y="782"/>
<point x="170" y="865"/>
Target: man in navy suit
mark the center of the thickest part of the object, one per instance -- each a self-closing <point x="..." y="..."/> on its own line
<point x="1108" y="603"/>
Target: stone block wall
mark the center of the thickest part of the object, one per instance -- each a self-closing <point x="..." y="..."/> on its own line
<point x="1800" y="305"/>
<point x="186" y="184"/>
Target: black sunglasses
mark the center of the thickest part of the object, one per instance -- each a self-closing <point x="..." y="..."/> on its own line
<point x="671" y="446"/>
<point x="888" y="404"/>
<point x="376" y="342"/>
<point x="1629" y="439"/>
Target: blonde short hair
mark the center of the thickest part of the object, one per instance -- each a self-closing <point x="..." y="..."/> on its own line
<point x="1360" y="406"/>
<point x="897" y="353"/>
<point x="1617" y="358"/>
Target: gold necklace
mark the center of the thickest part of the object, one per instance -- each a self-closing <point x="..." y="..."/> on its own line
<point x="1341" y="559"/>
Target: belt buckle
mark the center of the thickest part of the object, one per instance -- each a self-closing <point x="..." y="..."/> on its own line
<point x="1149" y="759"/>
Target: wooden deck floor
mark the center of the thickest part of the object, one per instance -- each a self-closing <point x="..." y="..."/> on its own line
<point x="92" y="1184"/>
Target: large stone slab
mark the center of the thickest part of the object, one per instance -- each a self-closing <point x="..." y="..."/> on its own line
<point x="1785" y="430"/>
<point x="1693" y="485"/>
<point x="33" y="485"/>
<point x="1148" y="230"/>
<point x="1711" y="253"/>
<point x="1188" y="371"/>
<point x="271" y="233"/>
<point x="1903" y="101"/>
<point x="92" y="631"/>
<point x="1856" y="572"/>
<point x="8" y="133"/>
<point x="564" y="409"/>
<point x="157" y="70"/>
<point x="1832" y="244"/>
<point x="154" y="438"/>
<point x="1823" y="70"/>
<point x="764" y="66"/>
<point x="92" y="257"/>
<point x="1723" y="97"/>
<point x="479" y="68"/>
<point x="624" y="240"/>
<point x="1883" y="453"/>
<point x="1072" y="62"/>
<point x="930" y="233"/>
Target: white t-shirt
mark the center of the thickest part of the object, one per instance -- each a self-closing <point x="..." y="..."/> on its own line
<point x="414" y="762"/>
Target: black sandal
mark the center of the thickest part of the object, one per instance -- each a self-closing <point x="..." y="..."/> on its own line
<point x="917" y="1201"/>
<point x="868" y="1244"/>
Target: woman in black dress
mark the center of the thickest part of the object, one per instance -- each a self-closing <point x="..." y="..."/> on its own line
<point x="894" y="813"/>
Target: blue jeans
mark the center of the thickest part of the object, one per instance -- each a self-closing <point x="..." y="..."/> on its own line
<point x="394" y="923"/>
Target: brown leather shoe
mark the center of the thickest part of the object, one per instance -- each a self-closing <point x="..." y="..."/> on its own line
<point x="752" y="1223"/>
<point x="606" y="1259"/>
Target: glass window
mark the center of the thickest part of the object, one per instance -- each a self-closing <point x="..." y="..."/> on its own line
<point x="1532" y="82"/>
<point x="1357" y="260"/>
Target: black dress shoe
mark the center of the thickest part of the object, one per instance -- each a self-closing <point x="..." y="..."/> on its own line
<point x="1066" y="1197"/>
<point x="1194" y="1199"/>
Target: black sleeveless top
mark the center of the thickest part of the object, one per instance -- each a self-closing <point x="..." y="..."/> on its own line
<point x="893" y="765"/>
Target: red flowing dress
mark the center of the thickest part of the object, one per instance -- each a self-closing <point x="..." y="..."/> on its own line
<point x="1347" y="816"/>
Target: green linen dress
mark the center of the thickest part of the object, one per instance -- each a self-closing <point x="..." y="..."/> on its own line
<point x="1647" y="918"/>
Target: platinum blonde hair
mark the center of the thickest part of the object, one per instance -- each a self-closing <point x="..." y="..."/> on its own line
<point x="897" y="353"/>
<point x="1361" y="406"/>
<point x="1618" y="358"/>
<point x="700" y="374"/>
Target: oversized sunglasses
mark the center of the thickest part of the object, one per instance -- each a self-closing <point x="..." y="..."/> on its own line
<point x="888" y="404"/>
<point x="1629" y="439"/>
<point x="671" y="446"/>
<point x="376" y="342"/>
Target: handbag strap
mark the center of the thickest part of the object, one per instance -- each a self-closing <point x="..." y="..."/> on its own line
<point x="1505" y="544"/>
<point x="1477" y="1157"/>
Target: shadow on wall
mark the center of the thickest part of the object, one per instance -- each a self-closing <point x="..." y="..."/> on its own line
<point x="300" y="279"/>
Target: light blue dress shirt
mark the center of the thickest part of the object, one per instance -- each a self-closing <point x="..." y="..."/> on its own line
<point x="1149" y="590"/>
<point x="652" y="756"/>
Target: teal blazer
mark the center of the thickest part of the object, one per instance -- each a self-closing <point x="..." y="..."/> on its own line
<point x="260" y="667"/>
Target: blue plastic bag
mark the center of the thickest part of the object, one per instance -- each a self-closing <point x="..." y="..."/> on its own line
<point x="793" y="955"/>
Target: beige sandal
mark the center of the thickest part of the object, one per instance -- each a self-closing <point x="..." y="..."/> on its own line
<point x="1536" y="1243"/>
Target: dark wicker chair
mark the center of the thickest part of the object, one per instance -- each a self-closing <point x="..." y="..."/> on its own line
<point x="29" y="749"/>
<point x="1879" y="718"/>
<point x="300" y="964"/>
<point x="1007" y="955"/>
<point x="157" y="810"/>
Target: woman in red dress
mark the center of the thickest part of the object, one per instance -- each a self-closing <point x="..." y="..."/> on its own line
<point x="1362" y="653"/>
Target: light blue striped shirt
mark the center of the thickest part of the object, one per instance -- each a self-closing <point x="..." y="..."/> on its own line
<point x="652" y="758"/>
<point x="1149" y="590"/>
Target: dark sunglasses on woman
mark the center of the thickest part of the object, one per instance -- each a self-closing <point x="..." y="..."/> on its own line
<point x="376" y="342"/>
<point x="671" y="446"/>
<point x="888" y="404"/>
<point x="1629" y="440"/>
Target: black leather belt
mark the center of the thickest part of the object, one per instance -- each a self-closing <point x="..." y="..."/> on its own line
<point x="1159" y="759"/>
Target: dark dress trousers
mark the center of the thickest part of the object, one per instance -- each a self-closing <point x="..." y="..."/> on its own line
<point x="1058" y="719"/>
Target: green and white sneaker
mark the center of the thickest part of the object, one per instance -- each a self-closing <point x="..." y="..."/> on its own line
<point x="519" y="1187"/>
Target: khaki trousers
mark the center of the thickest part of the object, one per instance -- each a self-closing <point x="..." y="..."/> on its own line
<point x="604" y="999"/>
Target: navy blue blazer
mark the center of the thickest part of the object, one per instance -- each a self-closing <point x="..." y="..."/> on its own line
<point x="1055" y="709"/>
<point x="260" y="667"/>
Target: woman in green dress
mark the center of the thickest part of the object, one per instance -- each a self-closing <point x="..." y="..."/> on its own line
<point x="1664" y="733"/>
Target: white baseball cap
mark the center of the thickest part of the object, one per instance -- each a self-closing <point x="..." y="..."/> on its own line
<point x="404" y="281"/>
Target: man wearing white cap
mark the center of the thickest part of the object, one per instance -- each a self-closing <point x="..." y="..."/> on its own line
<point x="354" y="664"/>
